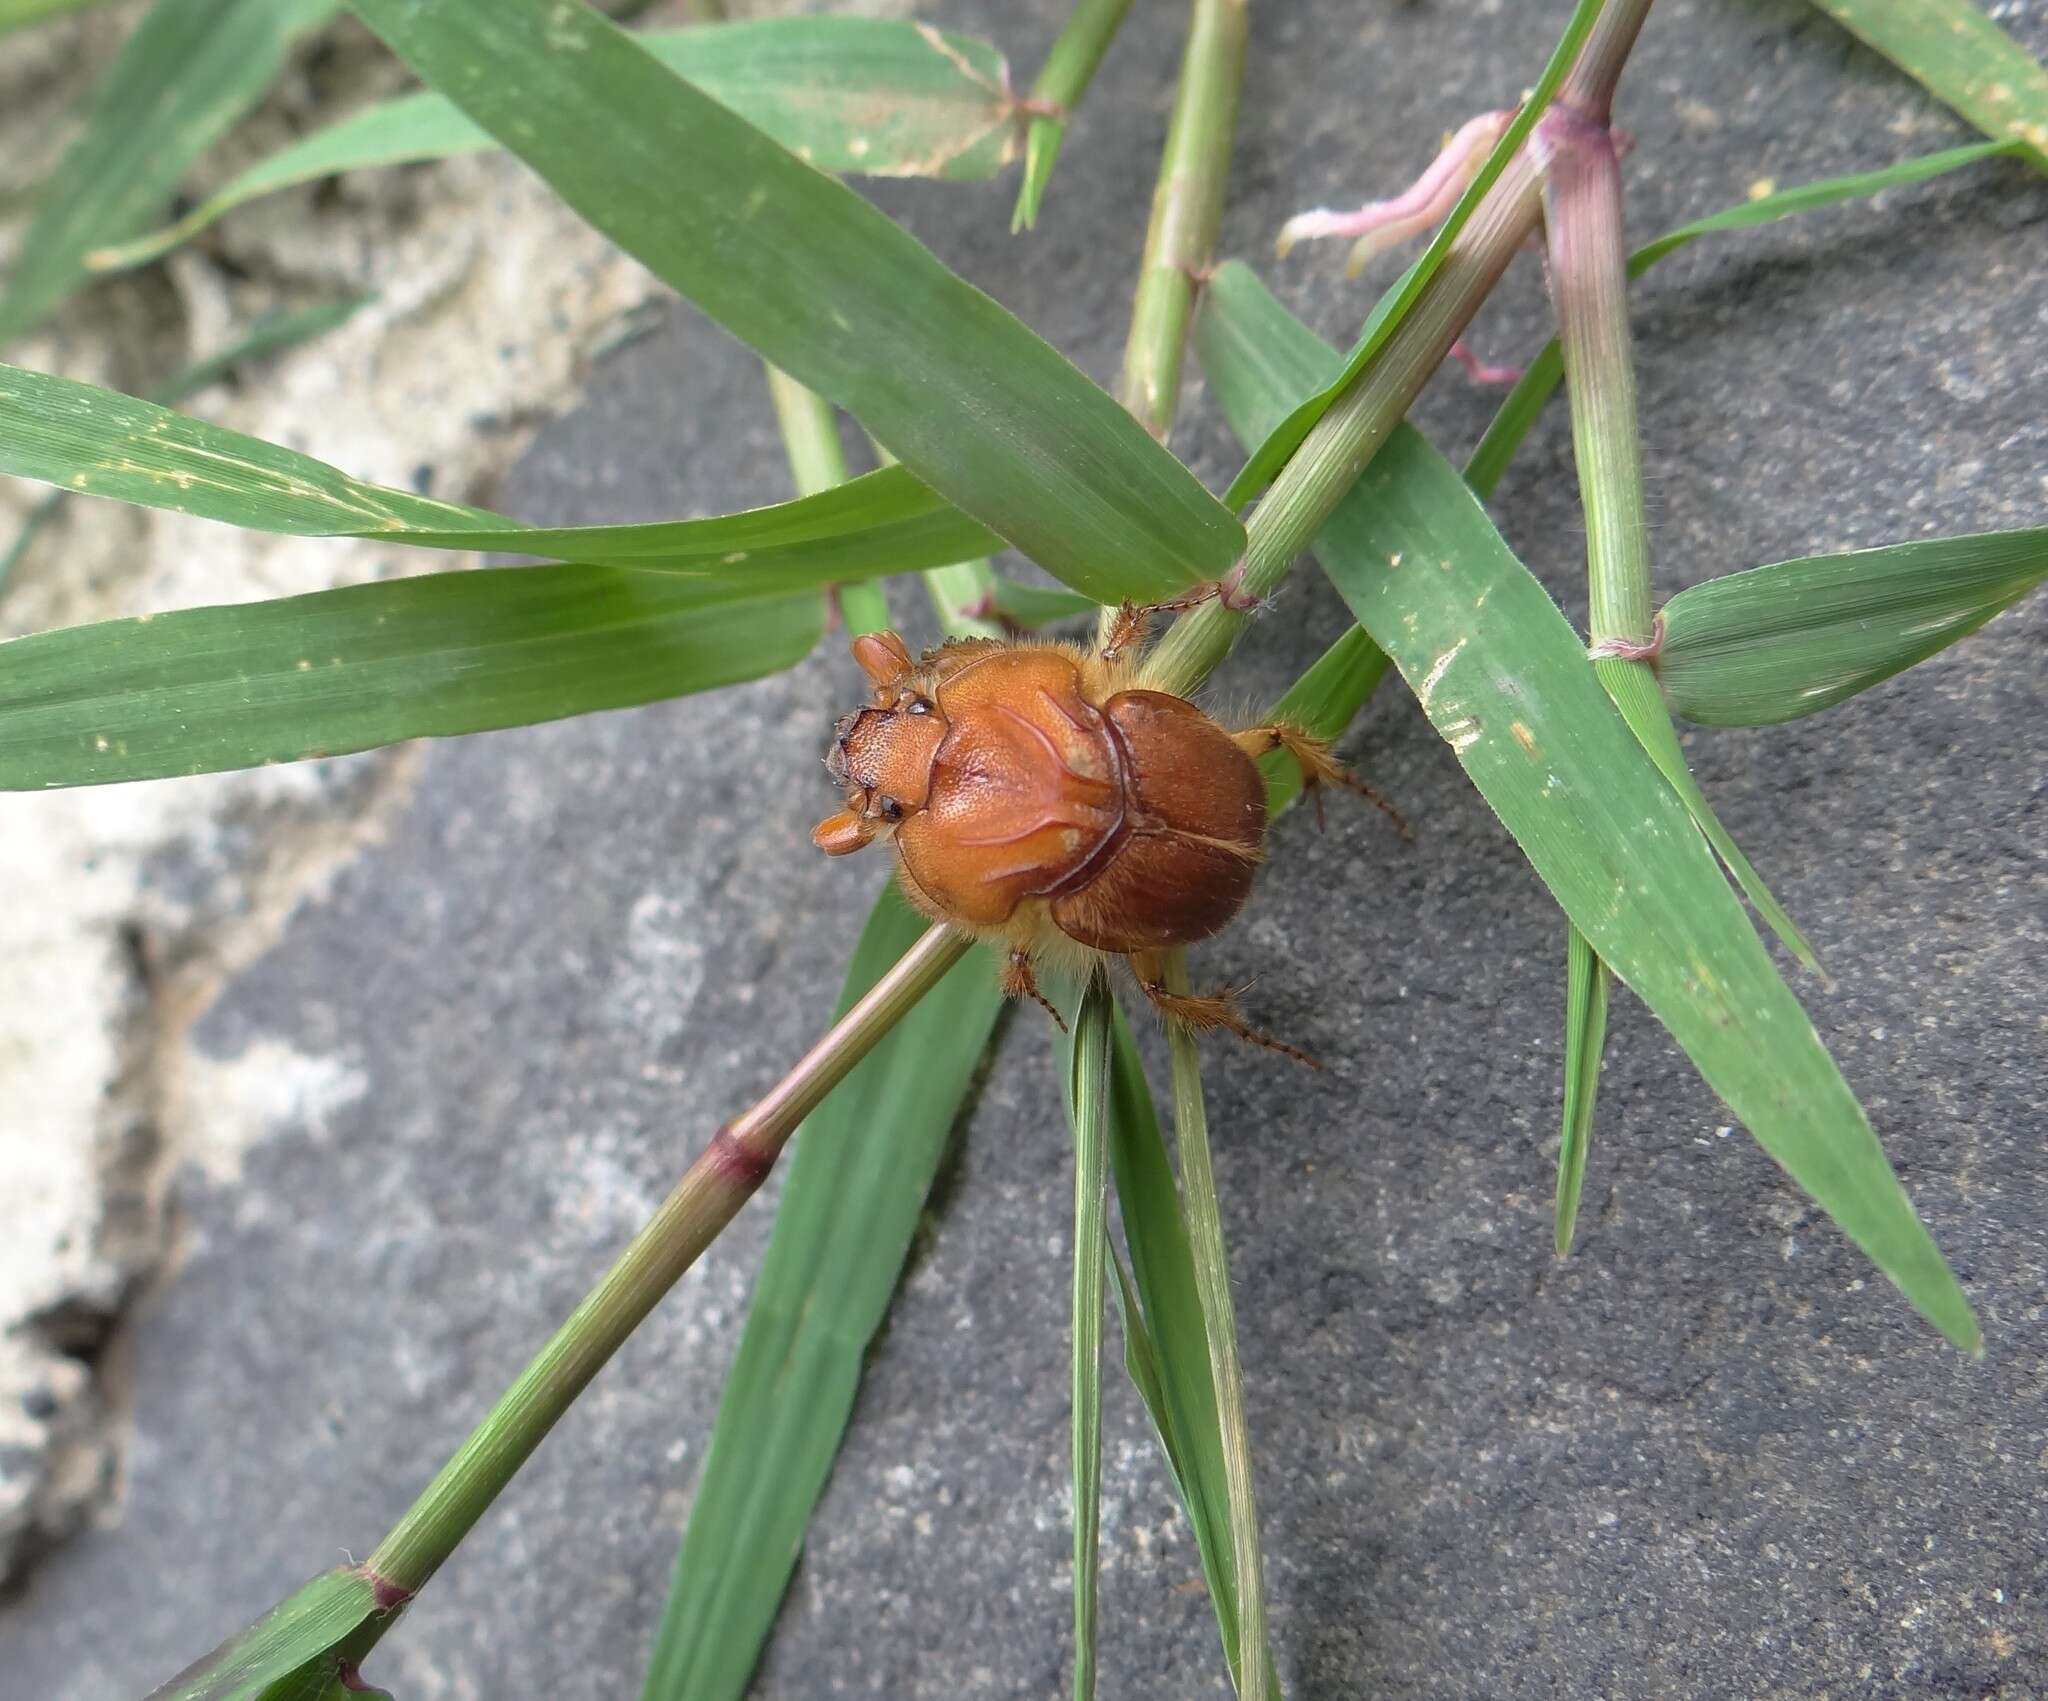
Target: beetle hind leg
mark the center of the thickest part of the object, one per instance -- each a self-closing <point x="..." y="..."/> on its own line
<point x="1018" y="981"/>
<point x="1203" y="1013"/>
<point x="1318" y="767"/>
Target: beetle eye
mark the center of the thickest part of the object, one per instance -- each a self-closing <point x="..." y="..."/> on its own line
<point x="910" y="703"/>
<point x="889" y="809"/>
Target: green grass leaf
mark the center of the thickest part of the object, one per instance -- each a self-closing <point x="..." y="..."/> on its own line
<point x="1539" y="381"/>
<point x="98" y="442"/>
<point x="1166" y="1346"/>
<point x="1088" y="1092"/>
<point x="1033" y="606"/>
<point x="271" y="334"/>
<point x="1505" y="680"/>
<point x="1323" y="701"/>
<point x="1954" y="51"/>
<point x="862" y="1166"/>
<point x="873" y="96"/>
<point x="1204" y="1217"/>
<point x="16" y="13"/>
<point x="292" y="1653"/>
<point x="188" y="73"/>
<point x="1069" y="69"/>
<point x="1586" y="986"/>
<point x="1632" y="686"/>
<point x="826" y="287"/>
<point x="204" y="689"/>
<point x="1778" y="642"/>
<point x="1286" y="436"/>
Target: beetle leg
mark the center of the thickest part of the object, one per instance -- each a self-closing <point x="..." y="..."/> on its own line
<point x="1019" y="982"/>
<point x="1318" y="767"/>
<point x="1218" y="1010"/>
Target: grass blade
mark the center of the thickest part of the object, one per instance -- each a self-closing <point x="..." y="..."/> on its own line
<point x="294" y="1652"/>
<point x="1069" y="69"/>
<point x="862" y="1166"/>
<point x="1505" y="680"/>
<point x="272" y="334"/>
<point x="1088" y="1100"/>
<point x="1586" y="986"/>
<point x="101" y="443"/>
<point x="1166" y="1346"/>
<point x="1324" y="701"/>
<point x="1954" y="51"/>
<point x="1543" y="375"/>
<point x="14" y="14"/>
<point x="1778" y="642"/>
<point x="872" y="96"/>
<point x="190" y="70"/>
<point x="204" y="689"/>
<point x="826" y="287"/>
<point x="1219" y="1320"/>
<point x="1281" y="442"/>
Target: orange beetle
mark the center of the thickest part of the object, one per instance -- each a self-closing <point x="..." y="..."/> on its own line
<point x="1039" y="801"/>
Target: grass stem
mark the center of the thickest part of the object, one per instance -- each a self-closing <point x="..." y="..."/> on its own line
<point x="724" y="1176"/>
<point x="817" y="461"/>
<point x="1187" y="206"/>
<point x="1068" y="70"/>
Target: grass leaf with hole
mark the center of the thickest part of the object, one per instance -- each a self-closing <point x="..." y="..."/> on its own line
<point x="1778" y="642"/>
<point x="204" y="689"/>
<point x="1287" y="434"/>
<point x="1954" y="51"/>
<point x="862" y="1166"/>
<point x="1505" y="680"/>
<point x="181" y="81"/>
<point x="1540" y="379"/>
<point x="875" y="96"/>
<point x="292" y="1653"/>
<point x="822" y="284"/>
<point x="1586" y="986"/>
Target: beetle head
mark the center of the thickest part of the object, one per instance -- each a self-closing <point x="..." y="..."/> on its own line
<point x="881" y="756"/>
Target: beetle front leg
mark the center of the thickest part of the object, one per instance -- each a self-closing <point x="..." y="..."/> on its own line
<point x="1018" y="981"/>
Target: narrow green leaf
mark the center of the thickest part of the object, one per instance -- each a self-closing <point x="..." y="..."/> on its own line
<point x="823" y="285"/>
<point x="873" y="96"/>
<point x="1778" y="642"/>
<point x="1069" y="69"/>
<point x="1324" y="701"/>
<point x="101" y="443"/>
<point x="291" y="1653"/>
<point x="1633" y="687"/>
<point x="1585" y="1036"/>
<point x="190" y="70"/>
<point x="1505" y="680"/>
<point x="1540" y="379"/>
<point x="1954" y="51"/>
<point x="1166" y="1344"/>
<point x="1088" y="1092"/>
<point x="1278" y="444"/>
<point x="16" y="13"/>
<point x="1204" y="1217"/>
<point x="863" y="1164"/>
<point x="1033" y="606"/>
<point x="281" y="681"/>
<point x="270" y="335"/>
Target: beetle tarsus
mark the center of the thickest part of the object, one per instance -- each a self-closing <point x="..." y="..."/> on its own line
<point x="1020" y="982"/>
